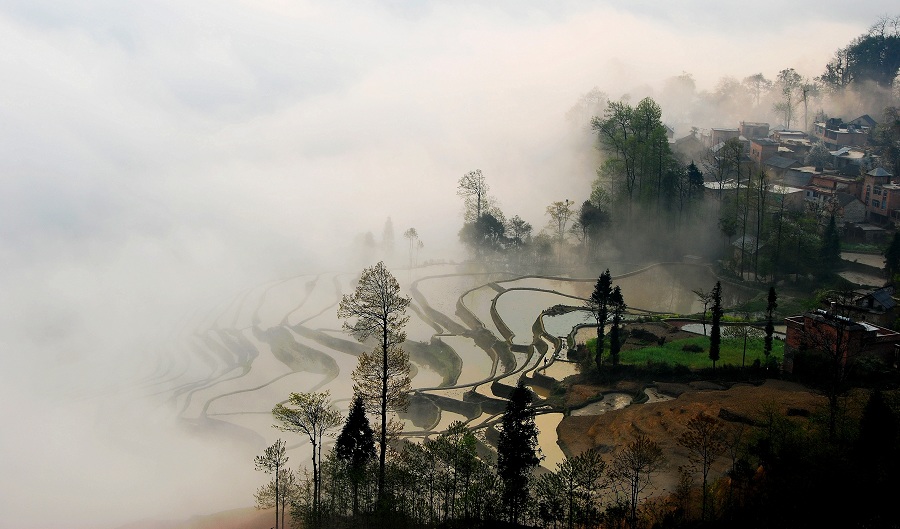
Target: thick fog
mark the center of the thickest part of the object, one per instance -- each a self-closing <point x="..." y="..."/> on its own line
<point x="159" y="157"/>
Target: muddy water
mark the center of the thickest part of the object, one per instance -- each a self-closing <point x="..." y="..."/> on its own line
<point x="547" y="439"/>
<point x="519" y="309"/>
<point x="610" y="402"/>
<point x="563" y="324"/>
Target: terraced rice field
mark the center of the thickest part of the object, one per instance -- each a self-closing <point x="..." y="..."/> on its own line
<point x="470" y="338"/>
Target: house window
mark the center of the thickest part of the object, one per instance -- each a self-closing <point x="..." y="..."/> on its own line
<point x="875" y="204"/>
<point x="878" y="191"/>
<point x="883" y="204"/>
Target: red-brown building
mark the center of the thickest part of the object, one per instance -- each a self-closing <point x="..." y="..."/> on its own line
<point x="821" y="330"/>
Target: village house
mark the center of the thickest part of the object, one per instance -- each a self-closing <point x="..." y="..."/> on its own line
<point x="761" y="149"/>
<point x="752" y="130"/>
<point x="777" y="166"/>
<point x="721" y="135"/>
<point x="821" y="331"/>
<point x="850" y="160"/>
<point x="689" y="148"/>
<point x="787" y="136"/>
<point x="835" y="134"/>
<point x="880" y="196"/>
<point x="786" y="197"/>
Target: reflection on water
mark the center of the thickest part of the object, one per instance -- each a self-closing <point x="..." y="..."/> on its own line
<point x="563" y="324"/>
<point x="547" y="439"/>
<point x="559" y="370"/>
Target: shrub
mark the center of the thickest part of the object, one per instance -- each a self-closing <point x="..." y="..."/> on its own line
<point x="692" y="348"/>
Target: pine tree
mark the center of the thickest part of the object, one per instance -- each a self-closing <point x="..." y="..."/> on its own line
<point x="830" y="252"/>
<point x="517" y="450"/>
<point x="355" y="445"/>
<point x="715" y="334"/>
<point x="598" y="304"/>
<point x="617" y="305"/>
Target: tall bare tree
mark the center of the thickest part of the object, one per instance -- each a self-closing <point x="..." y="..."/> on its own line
<point x="473" y="187"/>
<point x="705" y="440"/>
<point x="560" y="212"/>
<point x="633" y="468"/>
<point x="272" y="461"/>
<point x="376" y="309"/>
<point x="311" y="414"/>
<point x="412" y="235"/>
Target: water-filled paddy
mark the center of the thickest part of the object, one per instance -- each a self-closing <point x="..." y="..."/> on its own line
<point x="519" y="309"/>
<point x="547" y="439"/>
<point x="559" y="370"/>
<point x="478" y="302"/>
<point x="610" y="402"/>
<point x="669" y="288"/>
<point x="562" y="324"/>
<point x="476" y="364"/>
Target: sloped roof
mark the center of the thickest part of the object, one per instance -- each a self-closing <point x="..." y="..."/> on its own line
<point x="781" y="162"/>
<point x="883" y="298"/>
<point x="879" y="171"/>
<point x="846" y="198"/>
<point x="865" y="120"/>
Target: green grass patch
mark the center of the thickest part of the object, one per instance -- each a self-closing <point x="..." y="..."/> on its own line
<point x="731" y="352"/>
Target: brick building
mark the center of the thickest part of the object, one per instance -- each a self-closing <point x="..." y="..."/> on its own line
<point x="821" y="330"/>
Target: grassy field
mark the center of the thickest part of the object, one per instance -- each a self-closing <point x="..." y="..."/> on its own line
<point x="731" y="352"/>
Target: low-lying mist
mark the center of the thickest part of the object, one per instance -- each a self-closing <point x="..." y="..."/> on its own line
<point x="158" y="159"/>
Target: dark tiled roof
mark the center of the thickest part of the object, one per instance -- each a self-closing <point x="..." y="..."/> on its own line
<point x="781" y="162"/>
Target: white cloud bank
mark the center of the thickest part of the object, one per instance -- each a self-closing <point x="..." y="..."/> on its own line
<point x="156" y="155"/>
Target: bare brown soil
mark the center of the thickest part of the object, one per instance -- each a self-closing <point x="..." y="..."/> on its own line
<point x="665" y="421"/>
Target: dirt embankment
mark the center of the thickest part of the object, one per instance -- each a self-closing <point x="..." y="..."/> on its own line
<point x="665" y="421"/>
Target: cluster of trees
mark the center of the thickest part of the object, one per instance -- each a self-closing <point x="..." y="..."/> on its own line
<point x="769" y="470"/>
<point x="491" y="236"/>
<point x="640" y="167"/>
<point x="873" y="58"/>
<point x="771" y="240"/>
<point x="607" y="302"/>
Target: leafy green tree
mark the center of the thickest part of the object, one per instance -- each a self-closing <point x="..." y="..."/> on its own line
<point x="519" y="232"/>
<point x="617" y="307"/>
<point x="272" y="461"/>
<point x="715" y="334"/>
<point x="311" y="414"/>
<point x="788" y="83"/>
<point x="872" y="57"/>
<point x="705" y="441"/>
<point x="381" y="377"/>
<point x="355" y="445"/>
<point x="485" y="236"/>
<point x="598" y="304"/>
<point x="517" y="451"/>
<point x="695" y="178"/>
<point x="757" y="84"/>
<point x="278" y="493"/>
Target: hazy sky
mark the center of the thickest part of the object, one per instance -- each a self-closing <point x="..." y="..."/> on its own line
<point x="157" y="155"/>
